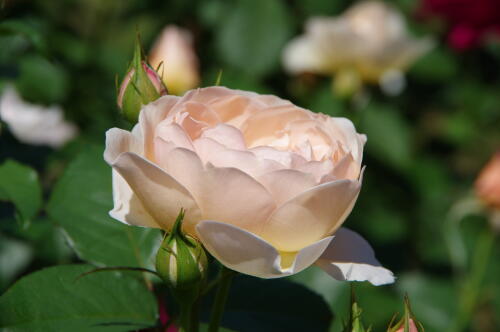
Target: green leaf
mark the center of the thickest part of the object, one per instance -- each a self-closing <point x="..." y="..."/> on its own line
<point x="439" y="65"/>
<point x="19" y="184"/>
<point x="80" y="204"/>
<point x="42" y="80"/>
<point x="55" y="299"/>
<point x="278" y="305"/>
<point x="25" y="28"/>
<point x="252" y="35"/>
<point x="389" y="138"/>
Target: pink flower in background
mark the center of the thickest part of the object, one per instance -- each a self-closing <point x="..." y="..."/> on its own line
<point x="470" y="22"/>
<point x="174" y="57"/>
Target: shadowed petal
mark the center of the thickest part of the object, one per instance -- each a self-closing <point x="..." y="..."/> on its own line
<point x="350" y="257"/>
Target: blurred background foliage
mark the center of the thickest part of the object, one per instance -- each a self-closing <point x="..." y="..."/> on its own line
<point x="425" y="148"/>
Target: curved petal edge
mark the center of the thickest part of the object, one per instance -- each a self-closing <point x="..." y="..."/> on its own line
<point x="349" y="257"/>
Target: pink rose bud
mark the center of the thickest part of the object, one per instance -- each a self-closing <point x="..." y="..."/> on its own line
<point x="174" y="57"/>
<point x="140" y="86"/>
<point x="407" y="323"/>
<point x="411" y="328"/>
<point x="488" y="183"/>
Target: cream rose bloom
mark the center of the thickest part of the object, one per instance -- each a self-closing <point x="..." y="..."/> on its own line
<point x="266" y="184"/>
<point x="369" y="40"/>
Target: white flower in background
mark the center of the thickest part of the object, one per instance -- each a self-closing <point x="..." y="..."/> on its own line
<point x="174" y="48"/>
<point x="370" y="39"/>
<point x="34" y="124"/>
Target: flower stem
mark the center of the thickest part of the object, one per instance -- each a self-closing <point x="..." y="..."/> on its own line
<point x="473" y="282"/>
<point x="225" y="278"/>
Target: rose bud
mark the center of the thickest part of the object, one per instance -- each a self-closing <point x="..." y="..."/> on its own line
<point x="174" y="58"/>
<point x="140" y="86"/>
<point x="488" y="183"/>
<point x="182" y="263"/>
<point x="407" y="323"/>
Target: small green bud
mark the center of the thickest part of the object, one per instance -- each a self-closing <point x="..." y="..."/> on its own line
<point x="407" y="323"/>
<point x="182" y="263"/>
<point x="140" y="86"/>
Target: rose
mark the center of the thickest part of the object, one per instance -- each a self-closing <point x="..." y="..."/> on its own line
<point x="264" y="183"/>
<point x="369" y="42"/>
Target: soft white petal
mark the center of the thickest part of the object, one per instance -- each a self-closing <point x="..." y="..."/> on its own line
<point x="119" y="141"/>
<point x="247" y="253"/>
<point x="350" y="257"/>
<point x="127" y="206"/>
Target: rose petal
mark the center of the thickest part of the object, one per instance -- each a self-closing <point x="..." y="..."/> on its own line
<point x="225" y="194"/>
<point x="261" y="128"/>
<point x="226" y="135"/>
<point x="247" y="253"/>
<point x="161" y="195"/>
<point x="119" y="141"/>
<point x="350" y="257"/>
<point x="311" y="215"/>
<point x="150" y="116"/>
<point x="172" y="132"/>
<point x="285" y="184"/>
<point x="127" y="206"/>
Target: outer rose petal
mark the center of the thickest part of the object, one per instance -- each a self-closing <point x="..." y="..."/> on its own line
<point x="311" y="215"/>
<point x="127" y="206"/>
<point x="151" y="115"/>
<point x="247" y="253"/>
<point x="350" y="257"/>
<point x="119" y="141"/>
<point x="161" y="195"/>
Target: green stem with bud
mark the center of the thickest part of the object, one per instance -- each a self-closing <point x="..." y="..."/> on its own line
<point x="225" y="278"/>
